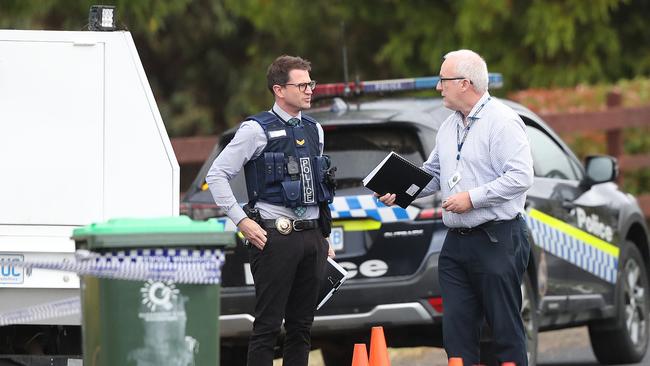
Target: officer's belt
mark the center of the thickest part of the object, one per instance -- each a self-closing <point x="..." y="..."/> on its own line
<point x="285" y="225"/>
<point x="484" y="227"/>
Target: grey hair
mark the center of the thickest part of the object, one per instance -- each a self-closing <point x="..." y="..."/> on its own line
<point x="471" y="65"/>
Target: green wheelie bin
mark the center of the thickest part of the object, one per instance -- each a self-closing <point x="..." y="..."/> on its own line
<point x="154" y="322"/>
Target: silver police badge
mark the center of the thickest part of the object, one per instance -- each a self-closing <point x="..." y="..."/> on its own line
<point x="283" y="225"/>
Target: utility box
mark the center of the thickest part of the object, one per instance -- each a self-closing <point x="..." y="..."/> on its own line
<point x="155" y="322"/>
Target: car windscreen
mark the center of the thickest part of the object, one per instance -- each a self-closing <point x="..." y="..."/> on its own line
<point x="355" y="151"/>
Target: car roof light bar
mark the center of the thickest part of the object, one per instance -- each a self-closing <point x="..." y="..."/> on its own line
<point x="495" y="81"/>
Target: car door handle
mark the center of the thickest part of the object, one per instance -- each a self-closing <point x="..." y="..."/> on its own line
<point x="568" y="204"/>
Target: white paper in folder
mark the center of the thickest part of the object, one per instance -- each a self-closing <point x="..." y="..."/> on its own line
<point x="335" y="276"/>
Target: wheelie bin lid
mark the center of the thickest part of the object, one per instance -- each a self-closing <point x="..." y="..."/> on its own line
<point x="176" y="231"/>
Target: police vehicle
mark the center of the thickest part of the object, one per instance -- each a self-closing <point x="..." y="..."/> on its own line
<point x="590" y="240"/>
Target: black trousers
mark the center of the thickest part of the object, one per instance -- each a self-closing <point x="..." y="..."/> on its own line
<point x="287" y="275"/>
<point x="481" y="279"/>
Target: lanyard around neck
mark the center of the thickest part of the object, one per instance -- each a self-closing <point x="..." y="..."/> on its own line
<point x="459" y="142"/>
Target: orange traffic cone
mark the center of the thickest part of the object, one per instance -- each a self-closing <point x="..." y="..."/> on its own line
<point x="360" y="355"/>
<point x="378" y="350"/>
<point x="455" y="361"/>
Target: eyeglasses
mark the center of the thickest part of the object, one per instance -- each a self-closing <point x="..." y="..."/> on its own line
<point x="441" y="79"/>
<point x="303" y="86"/>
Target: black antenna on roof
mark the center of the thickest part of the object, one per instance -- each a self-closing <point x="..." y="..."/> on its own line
<point x="344" y="51"/>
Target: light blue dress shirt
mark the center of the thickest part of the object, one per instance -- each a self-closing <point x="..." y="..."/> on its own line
<point x="248" y="144"/>
<point x="496" y="165"/>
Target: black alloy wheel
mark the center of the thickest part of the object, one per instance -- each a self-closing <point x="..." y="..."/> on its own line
<point x="624" y="339"/>
<point x="530" y="317"/>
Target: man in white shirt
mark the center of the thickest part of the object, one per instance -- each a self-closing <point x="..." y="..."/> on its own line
<point x="483" y="167"/>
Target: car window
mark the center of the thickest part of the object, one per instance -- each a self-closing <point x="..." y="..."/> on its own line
<point x="355" y="151"/>
<point x="549" y="160"/>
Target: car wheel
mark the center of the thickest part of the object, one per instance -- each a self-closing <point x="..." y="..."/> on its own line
<point x="624" y="339"/>
<point x="530" y="317"/>
<point x="337" y="353"/>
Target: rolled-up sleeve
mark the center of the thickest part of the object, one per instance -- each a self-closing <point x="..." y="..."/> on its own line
<point x="248" y="142"/>
<point x="509" y="154"/>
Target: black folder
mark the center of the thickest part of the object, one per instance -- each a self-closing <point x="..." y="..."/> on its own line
<point x="335" y="275"/>
<point x="397" y="175"/>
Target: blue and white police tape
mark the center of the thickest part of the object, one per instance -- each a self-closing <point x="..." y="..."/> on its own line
<point x="178" y="265"/>
<point x="54" y="309"/>
<point x="190" y="266"/>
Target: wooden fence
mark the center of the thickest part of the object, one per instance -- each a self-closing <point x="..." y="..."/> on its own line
<point x="191" y="152"/>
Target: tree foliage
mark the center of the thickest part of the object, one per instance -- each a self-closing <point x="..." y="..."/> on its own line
<point x="206" y="59"/>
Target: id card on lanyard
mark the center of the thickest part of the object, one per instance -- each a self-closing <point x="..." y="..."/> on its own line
<point x="457" y="177"/>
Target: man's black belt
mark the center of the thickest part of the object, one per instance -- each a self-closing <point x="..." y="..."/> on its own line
<point x="285" y="225"/>
<point x="484" y="227"/>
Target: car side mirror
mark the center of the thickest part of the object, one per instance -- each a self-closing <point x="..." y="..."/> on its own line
<point x="600" y="169"/>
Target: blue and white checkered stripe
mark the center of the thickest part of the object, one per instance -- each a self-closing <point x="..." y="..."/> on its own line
<point x="367" y="206"/>
<point x="363" y="206"/>
<point x="179" y="265"/>
<point x="573" y="250"/>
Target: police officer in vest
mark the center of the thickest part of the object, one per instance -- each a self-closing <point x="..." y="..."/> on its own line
<point x="289" y="184"/>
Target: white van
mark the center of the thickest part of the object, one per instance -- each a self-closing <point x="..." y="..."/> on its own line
<point x="81" y="141"/>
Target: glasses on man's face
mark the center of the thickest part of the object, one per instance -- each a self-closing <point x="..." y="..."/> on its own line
<point x="303" y="86"/>
<point x="441" y="79"/>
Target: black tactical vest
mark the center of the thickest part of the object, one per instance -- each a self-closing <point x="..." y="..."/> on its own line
<point x="290" y="171"/>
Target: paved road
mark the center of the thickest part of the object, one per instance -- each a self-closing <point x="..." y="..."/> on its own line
<point x="568" y="347"/>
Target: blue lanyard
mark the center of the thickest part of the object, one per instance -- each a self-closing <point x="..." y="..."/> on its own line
<point x="459" y="142"/>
